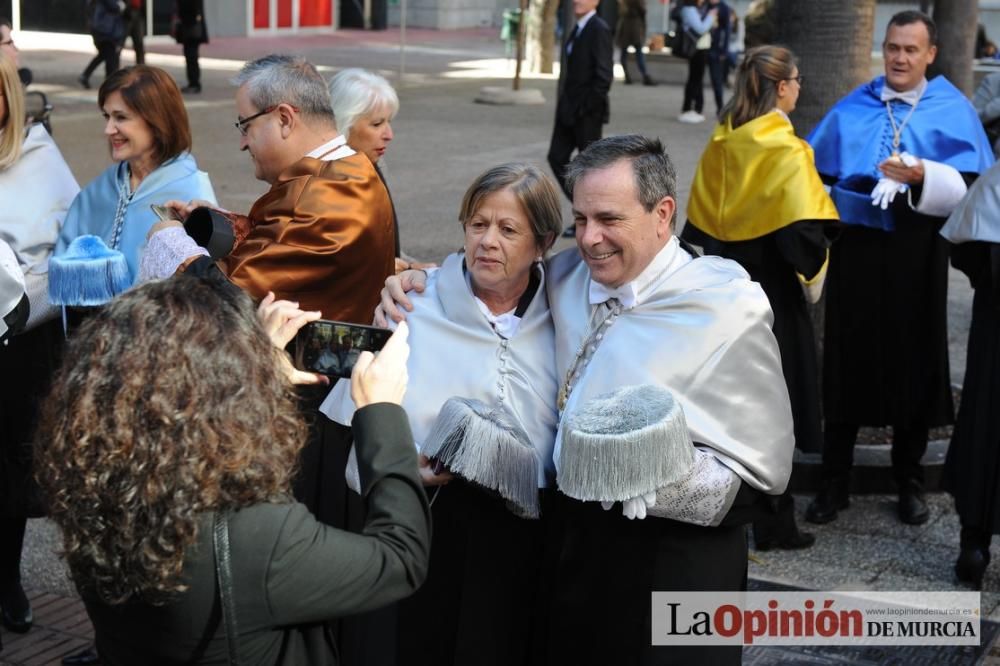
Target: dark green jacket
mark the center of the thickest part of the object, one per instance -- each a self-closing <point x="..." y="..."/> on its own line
<point x="290" y="572"/>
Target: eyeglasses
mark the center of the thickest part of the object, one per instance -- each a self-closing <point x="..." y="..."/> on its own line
<point x="801" y="79"/>
<point x="243" y="123"/>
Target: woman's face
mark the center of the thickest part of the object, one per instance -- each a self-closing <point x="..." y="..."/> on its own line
<point x="499" y="243"/>
<point x="371" y="134"/>
<point x="130" y="137"/>
<point x="788" y="91"/>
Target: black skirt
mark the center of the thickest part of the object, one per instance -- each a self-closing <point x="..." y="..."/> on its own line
<point x="479" y="602"/>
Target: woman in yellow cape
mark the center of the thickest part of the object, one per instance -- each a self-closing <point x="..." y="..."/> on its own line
<point x="757" y="199"/>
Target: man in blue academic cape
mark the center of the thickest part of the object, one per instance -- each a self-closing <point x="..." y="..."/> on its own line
<point x="899" y="153"/>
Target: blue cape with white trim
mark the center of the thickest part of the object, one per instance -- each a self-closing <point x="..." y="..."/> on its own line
<point x="856" y="136"/>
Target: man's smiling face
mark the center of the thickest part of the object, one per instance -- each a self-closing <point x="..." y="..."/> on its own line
<point x="616" y="235"/>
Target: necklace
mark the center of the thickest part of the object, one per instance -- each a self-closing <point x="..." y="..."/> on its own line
<point x="604" y="316"/>
<point x="897" y="131"/>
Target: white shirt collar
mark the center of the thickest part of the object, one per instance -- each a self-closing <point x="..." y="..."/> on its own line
<point x="633" y="293"/>
<point x="505" y="324"/>
<point x="334" y="149"/>
<point x="582" y="21"/>
<point x="911" y="97"/>
<point x="782" y="114"/>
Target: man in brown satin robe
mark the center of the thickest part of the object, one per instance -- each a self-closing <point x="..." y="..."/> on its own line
<point x="323" y="234"/>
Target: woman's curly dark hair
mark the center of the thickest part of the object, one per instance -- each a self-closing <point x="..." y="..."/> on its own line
<point x="170" y="402"/>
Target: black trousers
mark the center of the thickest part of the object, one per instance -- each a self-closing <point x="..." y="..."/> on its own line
<point x="135" y="29"/>
<point x="694" y="97"/>
<point x="908" y="446"/>
<point x="717" y="73"/>
<point x="191" y="61"/>
<point x="108" y="52"/>
<point x="566" y="139"/>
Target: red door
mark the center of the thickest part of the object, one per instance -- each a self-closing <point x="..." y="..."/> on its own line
<point x="311" y="14"/>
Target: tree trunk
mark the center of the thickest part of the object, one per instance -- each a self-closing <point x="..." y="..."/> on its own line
<point x="833" y="42"/>
<point x="541" y="30"/>
<point x="956" y="24"/>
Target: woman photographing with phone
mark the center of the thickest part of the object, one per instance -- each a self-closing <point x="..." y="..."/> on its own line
<point x="173" y="421"/>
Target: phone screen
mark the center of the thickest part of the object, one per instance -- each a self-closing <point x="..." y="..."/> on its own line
<point x="332" y="347"/>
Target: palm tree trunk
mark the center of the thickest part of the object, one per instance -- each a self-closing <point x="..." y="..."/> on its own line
<point x="541" y="16"/>
<point x="956" y="23"/>
<point x="833" y="41"/>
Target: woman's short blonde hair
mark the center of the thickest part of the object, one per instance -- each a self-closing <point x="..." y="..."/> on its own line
<point x="355" y="93"/>
<point x="12" y="137"/>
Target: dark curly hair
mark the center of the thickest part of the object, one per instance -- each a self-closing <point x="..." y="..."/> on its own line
<point x="170" y="402"/>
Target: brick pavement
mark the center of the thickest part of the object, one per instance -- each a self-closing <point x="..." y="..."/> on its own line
<point x="61" y="628"/>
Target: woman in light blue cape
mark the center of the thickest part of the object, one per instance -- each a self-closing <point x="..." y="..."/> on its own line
<point x="150" y="139"/>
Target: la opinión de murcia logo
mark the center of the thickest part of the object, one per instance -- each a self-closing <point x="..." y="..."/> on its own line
<point x="823" y="618"/>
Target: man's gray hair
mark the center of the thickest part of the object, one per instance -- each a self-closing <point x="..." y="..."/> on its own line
<point x="655" y="177"/>
<point x="356" y="92"/>
<point x="277" y="79"/>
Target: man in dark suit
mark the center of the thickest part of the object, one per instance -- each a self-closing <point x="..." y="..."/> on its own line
<point x="584" y="81"/>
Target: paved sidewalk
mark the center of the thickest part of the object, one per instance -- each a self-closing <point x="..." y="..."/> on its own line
<point x="442" y="140"/>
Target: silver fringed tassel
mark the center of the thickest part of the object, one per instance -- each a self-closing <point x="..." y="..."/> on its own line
<point x="485" y="446"/>
<point x="624" y="444"/>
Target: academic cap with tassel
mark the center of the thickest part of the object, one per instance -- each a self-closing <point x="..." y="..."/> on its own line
<point x="624" y="444"/>
<point x="88" y="273"/>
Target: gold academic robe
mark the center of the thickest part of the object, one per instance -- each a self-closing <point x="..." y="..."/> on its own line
<point x="323" y="236"/>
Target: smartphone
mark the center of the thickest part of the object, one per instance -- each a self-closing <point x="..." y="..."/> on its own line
<point x="163" y="213"/>
<point x="332" y="347"/>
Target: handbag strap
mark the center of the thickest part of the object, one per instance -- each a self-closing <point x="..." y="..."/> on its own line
<point x="224" y="572"/>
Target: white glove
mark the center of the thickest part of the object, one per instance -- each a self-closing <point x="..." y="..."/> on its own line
<point x="635" y="507"/>
<point x="885" y="191"/>
<point x="887" y="188"/>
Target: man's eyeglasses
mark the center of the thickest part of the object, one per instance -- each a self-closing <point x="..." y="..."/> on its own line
<point x="243" y="123"/>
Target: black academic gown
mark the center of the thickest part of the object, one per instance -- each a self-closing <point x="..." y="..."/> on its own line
<point x="886" y="342"/>
<point x="972" y="469"/>
<point x="588" y="624"/>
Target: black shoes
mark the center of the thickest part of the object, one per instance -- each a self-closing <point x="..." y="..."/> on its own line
<point x="83" y="81"/>
<point x="912" y="507"/>
<point x="82" y="658"/>
<point x="970" y="567"/>
<point x="15" y="611"/>
<point x="191" y="90"/>
<point x="832" y="497"/>
<point x="796" y="541"/>
<point x="647" y="80"/>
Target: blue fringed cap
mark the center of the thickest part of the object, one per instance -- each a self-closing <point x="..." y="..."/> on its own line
<point x="88" y="273"/>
